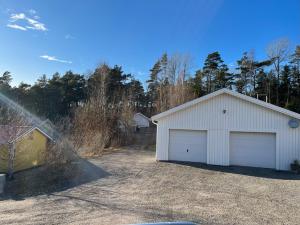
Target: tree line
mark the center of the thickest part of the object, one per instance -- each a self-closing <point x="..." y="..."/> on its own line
<point x="275" y="79"/>
<point x="59" y="95"/>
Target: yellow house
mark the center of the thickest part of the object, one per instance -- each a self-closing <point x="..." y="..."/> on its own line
<point x="29" y="147"/>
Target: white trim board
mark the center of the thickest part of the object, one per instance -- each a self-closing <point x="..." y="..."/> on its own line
<point x="29" y="131"/>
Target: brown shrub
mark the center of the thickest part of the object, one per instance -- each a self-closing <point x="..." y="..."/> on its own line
<point x="98" y="125"/>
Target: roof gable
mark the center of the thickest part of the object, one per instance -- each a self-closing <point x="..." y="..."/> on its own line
<point x="29" y="131"/>
<point x="229" y="92"/>
<point x="9" y="134"/>
<point x="142" y="115"/>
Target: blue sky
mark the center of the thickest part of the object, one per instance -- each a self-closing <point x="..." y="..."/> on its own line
<point x="42" y="37"/>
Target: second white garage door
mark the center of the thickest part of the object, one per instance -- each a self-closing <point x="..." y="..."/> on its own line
<point x="253" y="149"/>
<point x="188" y="145"/>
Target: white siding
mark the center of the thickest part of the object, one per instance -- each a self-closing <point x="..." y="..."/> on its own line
<point x="218" y="145"/>
<point x="140" y="120"/>
<point x="240" y="116"/>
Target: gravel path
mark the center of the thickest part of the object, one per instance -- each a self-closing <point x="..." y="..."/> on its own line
<point x="132" y="187"/>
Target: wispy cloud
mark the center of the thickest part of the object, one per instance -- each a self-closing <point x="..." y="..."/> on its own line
<point x="15" y="17"/>
<point x="33" y="13"/>
<point x="36" y="25"/>
<point x="53" y="58"/>
<point x="69" y="36"/>
<point x="15" y="26"/>
<point x="30" y="23"/>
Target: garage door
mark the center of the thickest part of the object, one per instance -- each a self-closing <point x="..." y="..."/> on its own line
<point x="253" y="149"/>
<point x="188" y="145"/>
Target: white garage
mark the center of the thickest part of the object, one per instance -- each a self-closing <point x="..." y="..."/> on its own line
<point x="229" y="128"/>
<point x="188" y="145"/>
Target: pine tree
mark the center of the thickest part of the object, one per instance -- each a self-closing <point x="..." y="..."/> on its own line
<point x="285" y="86"/>
<point x="196" y="84"/>
<point x="223" y="78"/>
<point x="5" y="81"/>
<point x="243" y="77"/>
<point x="212" y="66"/>
<point x="262" y="85"/>
<point x="153" y="85"/>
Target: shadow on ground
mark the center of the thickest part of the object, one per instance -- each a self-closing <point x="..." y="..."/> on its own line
<point x="46" y="180"/>
<point x="243" y="170"/>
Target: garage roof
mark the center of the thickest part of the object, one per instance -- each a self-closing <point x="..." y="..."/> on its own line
<point x="142" y="115"/>
<point x="229" y="92"/>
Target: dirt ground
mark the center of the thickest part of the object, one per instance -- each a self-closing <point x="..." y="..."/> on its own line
<point x="129" y="186"/>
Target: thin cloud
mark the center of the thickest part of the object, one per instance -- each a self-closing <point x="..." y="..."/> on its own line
<point x="53" y="58"/>
<point x="69" y="36"/>
<point x="32" y="24"/>
<point x="17" y="27"/>
<point x="15" y="17"/>
<point x="35" y="25"/>
<point x="32" y="11"/>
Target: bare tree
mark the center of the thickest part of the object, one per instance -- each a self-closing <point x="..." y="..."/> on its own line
<point x="178" y="67"/>
<point x="173" y="89"/>
<point x="179" y="92"/>
<point x="99" y="123"/>
<point x="278" y="52"/>
<point x="13" y="123"/>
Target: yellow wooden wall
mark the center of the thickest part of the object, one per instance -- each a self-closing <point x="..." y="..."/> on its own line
<point x="3" y="159"/>
<point x="30" y="152"/>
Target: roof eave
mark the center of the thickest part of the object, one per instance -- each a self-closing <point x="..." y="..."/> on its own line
<point x="29" y="131"/>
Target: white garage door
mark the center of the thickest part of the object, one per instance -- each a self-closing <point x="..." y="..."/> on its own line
<point x="253" y="149"/>
<point x="188" y="145"/>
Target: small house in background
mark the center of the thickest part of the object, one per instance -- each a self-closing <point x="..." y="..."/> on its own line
<point x="29" y="144"/>
<point x="141" y="120"/>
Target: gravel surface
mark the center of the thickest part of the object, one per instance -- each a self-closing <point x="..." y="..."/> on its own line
<point x="129" y="186"/>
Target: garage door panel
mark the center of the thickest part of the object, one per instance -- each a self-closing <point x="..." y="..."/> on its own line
<point x="253" y="149"/>
<point x="188" y="145"/>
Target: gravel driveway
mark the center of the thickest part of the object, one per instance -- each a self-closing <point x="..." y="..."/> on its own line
<point x="132" y="187"/>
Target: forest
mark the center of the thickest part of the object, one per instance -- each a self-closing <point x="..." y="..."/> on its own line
<point x="99" y="100"/>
